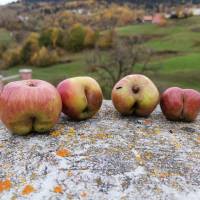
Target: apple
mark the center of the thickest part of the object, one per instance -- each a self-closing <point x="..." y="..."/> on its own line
<point x="29" y="105"/>
<point x="135" y="94"/>
<point x="180" y="104"/>
<point x="81" y="97"/>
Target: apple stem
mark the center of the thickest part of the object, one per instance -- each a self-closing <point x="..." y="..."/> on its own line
<point x="31" y="85"/>
<point x="135" y="89"/>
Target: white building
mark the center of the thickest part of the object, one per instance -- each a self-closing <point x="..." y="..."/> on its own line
<point x="196" y="11"/>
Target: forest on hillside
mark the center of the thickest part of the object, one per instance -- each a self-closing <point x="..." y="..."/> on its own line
<point x="145" y="2"/>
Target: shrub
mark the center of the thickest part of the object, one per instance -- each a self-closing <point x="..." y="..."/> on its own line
<point x="90" y="37"/>
<point x="44" y="57"/>
<point x="50" y="37"/>
<point x="3" y="48"/>
<point x="106" y="40"/>
<point x="75" y="39"/>
<point x="11" y="57"/>
<point x="30" y="46"/>
<point x="45" y="38"/>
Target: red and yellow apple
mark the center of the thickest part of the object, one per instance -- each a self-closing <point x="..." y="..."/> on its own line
<point x="81" y="97"/>
<point x="180" y="104"/>
<point x="29" y="105"/>
<point x="135" y="94"/>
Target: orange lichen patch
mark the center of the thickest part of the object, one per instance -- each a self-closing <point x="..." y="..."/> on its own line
<point x="28" y="189"/>
<point x="63" y="153"/>
<point x="163" y="175"/>
<point x="147" y="122"/>
<point x="5" y="185"/>
<point x="198" y="139"/>
<point x="58" y="189"/>
<point x="84" y="194"/>
<point x="55" y="133"/>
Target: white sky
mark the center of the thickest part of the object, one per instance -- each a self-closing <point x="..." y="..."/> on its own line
<point x="2" y="2"/>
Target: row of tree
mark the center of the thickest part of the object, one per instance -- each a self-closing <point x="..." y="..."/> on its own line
<point x="47" y="47"/>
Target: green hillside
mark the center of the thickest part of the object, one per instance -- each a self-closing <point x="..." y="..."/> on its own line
<point x="178" y="59"/>
<point x="5" y="37"/>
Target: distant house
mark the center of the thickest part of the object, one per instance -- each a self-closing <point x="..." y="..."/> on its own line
<point x="158" y="18"/>
<point x="147" y="18"/>
<point x="196" y="11"/>
<point x="23" y="18"/>
<point x="167" y="16"/>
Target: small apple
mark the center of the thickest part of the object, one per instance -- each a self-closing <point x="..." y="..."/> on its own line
<point x="180" y="104"/>
<point x="81" y="97"/>
<point x="29" y="105"/>
<point x="135" y="94"/>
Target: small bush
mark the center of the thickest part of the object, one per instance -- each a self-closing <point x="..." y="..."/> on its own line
<point x="51" y="37"/>
<point x="44" y="57"/>
<point x="30" y="46"/>
<point x="75" y="39"/>
<point x="11" y="57"/>
<point x="90" y="37"/>
<point x="45" y="38"/>
<point x="106" y="40"/>
<point x="3" y="48"/>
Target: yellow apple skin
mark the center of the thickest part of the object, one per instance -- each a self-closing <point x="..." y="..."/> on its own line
<point x="81" y="97"/>
<point x="135" y="94"/>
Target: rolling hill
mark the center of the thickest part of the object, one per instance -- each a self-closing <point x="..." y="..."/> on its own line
<point x="139" y="2"/>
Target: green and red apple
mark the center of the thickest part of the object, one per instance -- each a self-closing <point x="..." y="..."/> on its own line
<point x="81" y="97"/>
<point x="135" y="95"/>
<point x="180" y="104"/>
<point x="29" y="105"/>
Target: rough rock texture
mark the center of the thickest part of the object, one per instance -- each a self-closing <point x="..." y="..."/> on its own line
<point x="107" y="157"/>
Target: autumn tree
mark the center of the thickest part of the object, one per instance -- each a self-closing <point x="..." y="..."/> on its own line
<point x="11" y="57"/>
<point x="50" y="37"/>
<point x="30" y="46"/>
<point x="75" y="38"/>
<point x="120" y="61"/>
<point x="44" y="57"/>
<point x="106" y="40"/>
<point x="90" y="37"/>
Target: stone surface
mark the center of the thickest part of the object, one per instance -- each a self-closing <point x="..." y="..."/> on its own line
<point x="106" y="157"/>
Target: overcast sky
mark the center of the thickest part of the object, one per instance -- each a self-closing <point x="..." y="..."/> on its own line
<point x="2" y="2"/>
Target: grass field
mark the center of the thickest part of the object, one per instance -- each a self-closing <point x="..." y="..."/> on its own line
<point x="180" y="69"/>
<point x="180" y="36"/>
<point x="5" y="37"/>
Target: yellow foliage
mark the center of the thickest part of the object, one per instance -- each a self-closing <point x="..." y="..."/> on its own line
<point x="33" y="40"/>
<point x="90" y="37"/>
<point x="105" y="41"/>
<point x="12" y="57"/>
<point x="54" y="36"/>
<point x="44" y="57"/>
<point x="122" y="15"/>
